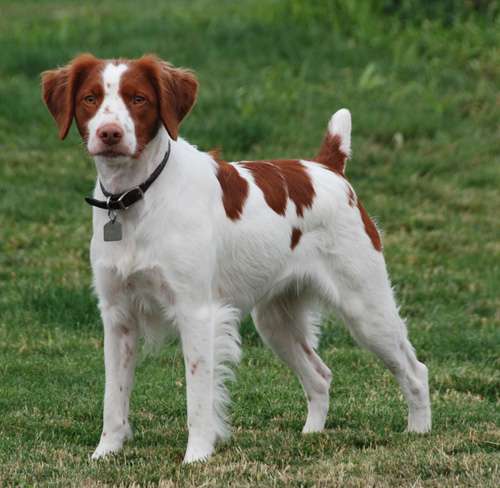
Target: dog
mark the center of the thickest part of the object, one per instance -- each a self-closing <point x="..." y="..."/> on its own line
<point x="184" y="240"/>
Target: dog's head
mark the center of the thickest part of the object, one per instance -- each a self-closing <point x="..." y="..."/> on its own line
<point x="118" y="105"/>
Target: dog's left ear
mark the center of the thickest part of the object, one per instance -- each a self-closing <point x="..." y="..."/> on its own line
<point x="59" y="87"/>
<point x="176" y="88"/>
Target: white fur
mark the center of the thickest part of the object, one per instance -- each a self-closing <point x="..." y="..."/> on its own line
<point x="183" y="264"/>
<point x="340" y="125"/>
<point x="112" y="110"/>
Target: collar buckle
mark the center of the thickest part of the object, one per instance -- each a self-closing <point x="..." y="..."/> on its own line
<point x="129" y="197"/>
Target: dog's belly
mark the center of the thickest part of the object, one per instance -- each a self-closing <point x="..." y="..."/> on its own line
<point x="246" y="275"/>
<point x="244" y="291"/>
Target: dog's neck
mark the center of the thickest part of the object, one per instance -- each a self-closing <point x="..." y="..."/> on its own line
<point x="120" y="174"/>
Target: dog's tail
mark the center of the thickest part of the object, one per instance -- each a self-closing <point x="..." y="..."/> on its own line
<point x="336" y="146"/>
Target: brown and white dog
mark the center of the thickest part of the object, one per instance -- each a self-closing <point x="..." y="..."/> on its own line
<point x="211" y="241"/>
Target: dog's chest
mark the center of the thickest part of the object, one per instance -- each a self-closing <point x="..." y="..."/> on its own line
<point x="130" y="270"/>
<point x="148" y="291"/>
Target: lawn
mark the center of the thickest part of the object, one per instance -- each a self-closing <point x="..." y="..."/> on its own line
<point x="421" y="80"/>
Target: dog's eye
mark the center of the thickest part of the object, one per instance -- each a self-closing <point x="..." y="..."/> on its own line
<point x="90" y="99"/>
<point x="138" y="99"/>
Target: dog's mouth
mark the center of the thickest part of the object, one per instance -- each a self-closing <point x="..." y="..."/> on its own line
<point x="111" y="153"/>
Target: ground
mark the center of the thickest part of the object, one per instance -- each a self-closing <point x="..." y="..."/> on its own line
<point x="421" y="80"/>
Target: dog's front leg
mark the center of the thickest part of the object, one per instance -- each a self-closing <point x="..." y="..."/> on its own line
<point x="210" y="340"/>
<point x="120" y="345"/>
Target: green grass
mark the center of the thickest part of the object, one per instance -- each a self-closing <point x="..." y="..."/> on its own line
<point x="422" y="83"/>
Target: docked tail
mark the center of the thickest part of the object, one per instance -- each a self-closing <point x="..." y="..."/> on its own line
<point x="336" y="146"/>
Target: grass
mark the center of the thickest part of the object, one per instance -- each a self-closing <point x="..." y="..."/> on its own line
<point x="422" y="84"/>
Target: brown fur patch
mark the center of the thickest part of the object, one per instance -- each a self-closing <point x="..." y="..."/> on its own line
<point x="296" y="235"/>
<point x="300" y="187"/>
<point x="370" y="227"/>
<point x="90" y="85"/>
<point x="176" y="90"/>
<point x="64" y="89"/>
<point x="234" y="187"/>
<point x="136" y="81"/>
<point x="269" y="179"/>
<point x="281" y="178"/>
<point x="330" y="154"/>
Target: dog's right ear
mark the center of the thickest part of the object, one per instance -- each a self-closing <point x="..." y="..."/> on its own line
<point x="57" y="97"/>
<point x="59" y="88"/>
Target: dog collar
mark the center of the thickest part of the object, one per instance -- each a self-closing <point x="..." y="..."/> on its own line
<point x="125" y="199"/>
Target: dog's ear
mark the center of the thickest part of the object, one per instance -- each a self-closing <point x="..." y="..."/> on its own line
<point x="176" y="89"/>
<point x="59" y="87"/>
<point x="57" y="97"/>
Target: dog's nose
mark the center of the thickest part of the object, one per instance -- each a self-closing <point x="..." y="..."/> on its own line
<point x="110" y="134"/>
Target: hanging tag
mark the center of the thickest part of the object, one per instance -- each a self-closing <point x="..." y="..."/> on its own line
<point x="113" y="229"/>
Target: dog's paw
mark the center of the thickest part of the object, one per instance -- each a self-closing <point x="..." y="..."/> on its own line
<point x="198" y="451"/>
<point x="105" y="449"/>
<point x="311" y="428"/>
<point x="111" y="444"/>
<point x="419" y="420"/>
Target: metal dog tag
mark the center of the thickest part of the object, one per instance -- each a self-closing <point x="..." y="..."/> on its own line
<point x="112" y="231"/>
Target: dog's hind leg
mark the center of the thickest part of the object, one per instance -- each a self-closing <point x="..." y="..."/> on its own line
<point x="366" y="303"/>
<point x="210" y="342"/>
<point x="287" y="325"/>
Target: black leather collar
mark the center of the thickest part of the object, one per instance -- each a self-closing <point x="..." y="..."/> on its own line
<point x="125" y="199"/>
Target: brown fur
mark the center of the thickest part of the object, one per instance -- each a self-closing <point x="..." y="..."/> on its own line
<point x="295" y="238"/>
<point x="234" y="187"/>
<point x="330" y="154"/>
<point x="370" y="227"/>
<point x="137" y="80"/>
<point x="269" y="179"/>
<point x="300" y="187"/>
<point x="280" y="179"/>
<point x="61" y="88"/>
<point x="176" y="89"/>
